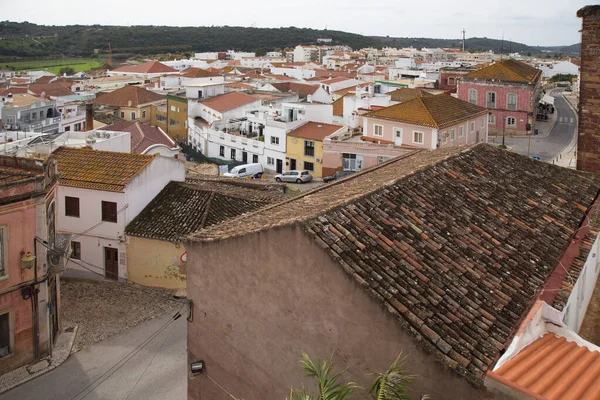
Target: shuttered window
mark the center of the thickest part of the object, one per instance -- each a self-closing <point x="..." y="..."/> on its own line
<point x="109" y="211"/>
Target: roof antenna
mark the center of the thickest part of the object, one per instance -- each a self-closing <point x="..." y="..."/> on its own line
<point x="502" y="46"/>
<point x="463" y="32"/>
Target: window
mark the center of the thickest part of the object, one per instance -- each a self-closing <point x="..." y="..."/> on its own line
<point x="222" y="151"/>
<point x="461" y="131"/>
<point x="309" y="148"/>
<point x="397" y="136"/>
<point x="309" y="166"/>
<point x="76" y="250"/>
<point x="473" y="96"/>
<point x="6" y="337"/>
<point x="144" y="114"/>
<point x="254" y="158"/>
<point x="233" y="154"/>
<point x="378" y="130"/>
<point x="451" y="81"/>
<point x="418" y="137"/>
<point x="352" y="162"/>
<point x="491" y="100"/>
<point x="41" y="115"/>
<point x="173" y="109"/>
<point x="270" y="161"/>
<point x="482" y="122"/>
<point x="511" y="101"/>
<point x="133" y="115"/>
<point x="172" y="122"/>
<point x="109" y="211"/>
<point x="511" y="121"/>
<point x="122" y="114"/>
<point x="77" y="127"/>
<point x="67" y="128"/>
<point x="161" y="118"/>
<point x="492" y="120"/>
<point x="34" y="116"/>
<point x="472" y="126"/>
<point x="275" y="140"/>
<point x="382" y="159"/>
<point x="72" y="206"/>
<point x="445" y="137"/>
<point x="26" y="117"/>
<point x="200" y="94"/>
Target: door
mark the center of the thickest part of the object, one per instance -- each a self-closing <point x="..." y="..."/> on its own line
<point x="292" y="164"/>
<point x="111" y="263"/>
<point x="244" y="157"/>
<point x="477" y="137"/>
<point x="53" y="309"/>
<point x="397" y="137"/>
<point x="279" y="166"/>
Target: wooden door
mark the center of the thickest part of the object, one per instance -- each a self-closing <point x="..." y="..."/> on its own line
<point x="111" y="263"/>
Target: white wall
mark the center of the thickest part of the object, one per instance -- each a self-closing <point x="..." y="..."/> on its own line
<point x="296" y="73"/>
<point x="161" y="150"/>
<point x="119" y="143"/>
<point x="318" y="112"/>
<point x="208" y="90"/>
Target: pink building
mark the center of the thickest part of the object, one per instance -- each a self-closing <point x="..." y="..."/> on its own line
<point x="510" y="89"/>
<point x="29" y="285"/>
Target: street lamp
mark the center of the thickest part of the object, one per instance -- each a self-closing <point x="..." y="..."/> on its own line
<point x="503" y="131"/>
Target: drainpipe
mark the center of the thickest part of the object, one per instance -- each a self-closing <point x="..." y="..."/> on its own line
<point x="34" y="307"/>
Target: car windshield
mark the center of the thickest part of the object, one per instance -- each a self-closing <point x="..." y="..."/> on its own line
<point x="304" y="173"/>
<point x="235" y="170"/>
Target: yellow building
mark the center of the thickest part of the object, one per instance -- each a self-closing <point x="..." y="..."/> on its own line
<point x="305" y="146"/>
<point x="155" y="253"/>
<point x="172" y="117"/>
<point x="130" y="103"/>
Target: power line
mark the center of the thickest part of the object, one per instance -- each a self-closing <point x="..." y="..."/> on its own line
<point x="99" y="223"/>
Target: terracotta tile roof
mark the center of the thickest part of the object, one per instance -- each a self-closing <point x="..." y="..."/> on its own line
<point x="432" y="111"/>
<point x="50" y="89"/>
<point x="327" y="73"/>
<point x="97" y="169"/>
<point x="455" y="243"/>
<point x="12" y="175"/>
<point x="150" y="67"/>
<point x="128" y="96"/>
<point x="182" y="208"/>
<point x="199" y="73"/>
<point x="405" y="94"/>
<point x="553" y="368"/>
<point x="347" y="90"/>
<point x="314" y="130"/>
<point x="280" y="77"/>
<point x="143" y="137"/>
<point x="22" y="99"/>
<point x="302" y="89"/>
<point x="335" y="80"/>
<point x="13" y="90"/>
<point x="45" y="79"/>
<point x="228" y="101"/>
<point x="239" y="85"/>
<point x="508" y="70"/>
<point x="338" y="107"/>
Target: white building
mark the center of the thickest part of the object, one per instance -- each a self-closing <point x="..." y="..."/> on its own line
<point x="339" y="83"/>
<point x="72" y="116"/>
<point x="261" y="62"/>
<point x="561" y="67"/>
<point x="99" y="193"/>
<point x="294" y="72"/>
<point x="183" y="64"/>
<point x="238" y="55"/>
<point x="305" y="53"/>
<point x="222" y="108"/>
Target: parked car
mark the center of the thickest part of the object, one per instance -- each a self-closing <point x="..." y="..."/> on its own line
<point x="241" y="171"/>
<point x="568" y="89"/>
<point x="294" y="176"/>
<point x="337" y="175"/>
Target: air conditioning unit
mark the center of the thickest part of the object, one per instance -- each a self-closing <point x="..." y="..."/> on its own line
<point x="7" y="126"/>
<point x="319" y="160"/>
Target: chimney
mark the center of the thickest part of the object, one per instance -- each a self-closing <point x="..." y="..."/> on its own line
<point x="588" y="143"/>
<point x="309" y="98"/>
<point x="9" y="98"/>
<point x="128" y="103"/>
<point x="89" y="116"/>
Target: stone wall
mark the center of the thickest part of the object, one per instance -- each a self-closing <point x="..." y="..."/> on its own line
<point x="588" y="145"/>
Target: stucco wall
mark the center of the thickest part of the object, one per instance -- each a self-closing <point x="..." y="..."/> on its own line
<point x="155" y="263"/>
<point x="262" y="299"/>
<point x="296" y="151"/>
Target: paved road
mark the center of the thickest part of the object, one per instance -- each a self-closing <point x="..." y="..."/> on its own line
<point x="549" y="147"/>
<point x="158" y="371"/>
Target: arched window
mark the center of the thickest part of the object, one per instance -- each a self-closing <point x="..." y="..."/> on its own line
<point x="473" y="96"/>
<point x="511" y="101"/>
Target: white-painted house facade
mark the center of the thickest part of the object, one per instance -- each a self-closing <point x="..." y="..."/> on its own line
<point x="99" y="193"/>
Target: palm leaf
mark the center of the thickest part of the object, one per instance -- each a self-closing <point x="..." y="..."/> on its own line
<point x="330" y="386"/>
<point x="394" y="384"/>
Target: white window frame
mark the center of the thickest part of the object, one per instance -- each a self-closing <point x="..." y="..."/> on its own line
<point x="422" y="137"/>
<point x="270" y="161"/>
<point x="482" y="122"/>
<point x="375" y="130"/>
<point x="444" y="136"/>
<point x="508" y="103"/>
<point x="472" y="126"/>
<point x="275" y="140"/>
<point x="452" y="134"/>
<point x="492" y="120"/>
<point x="471" y="91"/>
<point x="4" y="255"/>
<point x="396" y="129"/>
<point x="11" y="331"/>
<point x="495" y="100"/>
<point x="514" y="125"/>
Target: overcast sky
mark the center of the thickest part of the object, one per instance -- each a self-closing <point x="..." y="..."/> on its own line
<point x="548" y="22"/>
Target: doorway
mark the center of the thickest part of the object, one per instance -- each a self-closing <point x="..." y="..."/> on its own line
<point x="279" y="166"/>
<point x="292" y="164"/>
<point x="111" y="263"/>
<point x="397" y="137"/>
<point x="244" y="157"/>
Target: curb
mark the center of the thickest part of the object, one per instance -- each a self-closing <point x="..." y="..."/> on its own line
<point x="52" y="363"/>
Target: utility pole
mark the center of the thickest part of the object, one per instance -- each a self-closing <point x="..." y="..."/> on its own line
<point x="502" y="46"/>
<point x="503" y="132"/>
<point x="463" y="32"/>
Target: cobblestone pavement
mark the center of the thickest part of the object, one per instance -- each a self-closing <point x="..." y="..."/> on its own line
<point x="101" y="309"/>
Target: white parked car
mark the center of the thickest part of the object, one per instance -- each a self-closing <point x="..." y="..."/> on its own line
<point x="294" y="176"/>
<point x="241" y="171"/>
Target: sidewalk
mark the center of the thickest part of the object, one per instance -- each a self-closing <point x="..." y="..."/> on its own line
<point x="568" y="157"/>
<point x="60" y="352"/>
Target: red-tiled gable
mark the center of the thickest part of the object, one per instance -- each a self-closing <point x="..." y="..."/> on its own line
<point x="128" y="96"/>
<point x="280" y="77"/>
<point x="327" y="73"/>
<point x="198" y="73"/>
<point x="45" y="79"/>
<point x="302" y="89"/>
<point x="432" y="111"/>
<point x="508" y="70"/>
<point x="150" y="67"/>
<point x="314" y="130"/>
<point x="334" y="80"/>
<point x="212" y="69"/>
<point x="228" y="101"/>
<point x="347" y="90"/>
<point x="405" y="94"/>
<point x="552" y="368"/>
<point x="338" y="107"/>
<point x="239" y="85"/>
<point x="12" y="90"/>
<point x="50" y="89"/>
<point x="455" y="243"/>
<point x="97" y="169"/>
<point x="142" y="136"/>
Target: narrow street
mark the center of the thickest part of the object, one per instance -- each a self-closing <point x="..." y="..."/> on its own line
<point x="549" y="147"/>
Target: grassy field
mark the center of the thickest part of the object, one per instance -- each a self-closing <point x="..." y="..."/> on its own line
<point x="54" y="66"/>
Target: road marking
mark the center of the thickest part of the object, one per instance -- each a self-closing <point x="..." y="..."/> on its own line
<point x="571" y="121"/>
<point x="560" y="119"/>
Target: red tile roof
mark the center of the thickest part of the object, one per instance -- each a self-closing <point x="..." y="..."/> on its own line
<point x="508" y="70"/>
<point x="45" y="79"/>
<point x="239" y="85"/>
<point x="142" y="136"/>
<point x="128" y="96"/>
<point x="405" y="94"/>
<point x="338" y="107"/>
<point x="303" y="89"/>
<point x="335" y="80"/>
<point x="314" y="130"/>
<point x="432" y="111"/>
<point x="553" y="368"/>
<point x="150" y="67"/>
<point x="228" y="101"/>
<point x="97" y="169"/>
<point x="199" y="73"/>
<point x="13" y="90"/>
<point x="50" y="89"/>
